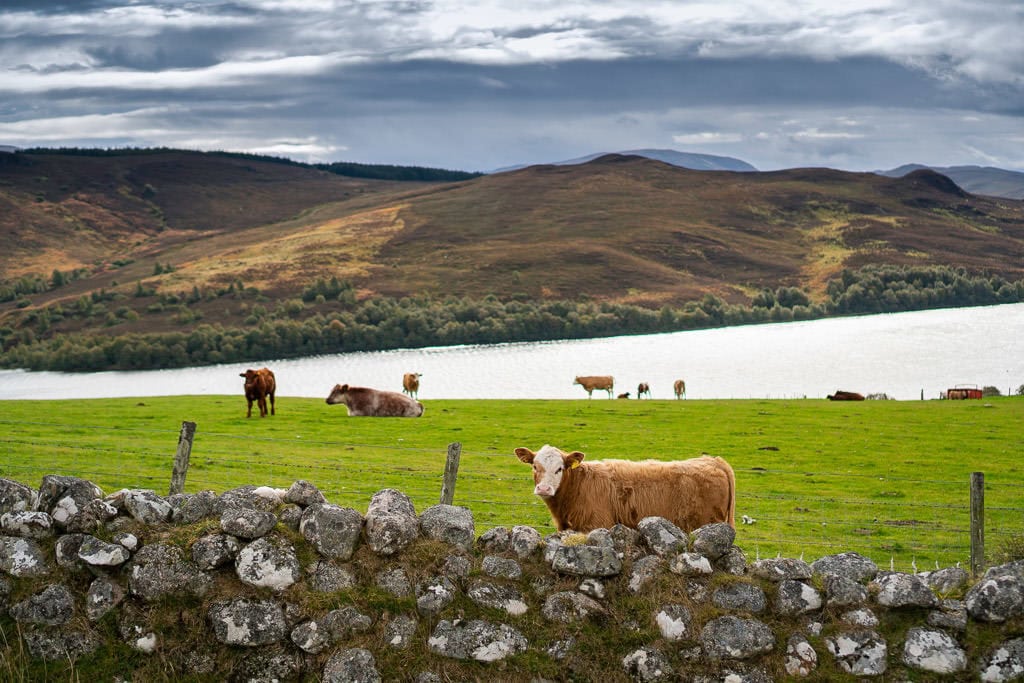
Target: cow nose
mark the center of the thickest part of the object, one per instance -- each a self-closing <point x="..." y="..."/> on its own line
<point x="544" y="490"/>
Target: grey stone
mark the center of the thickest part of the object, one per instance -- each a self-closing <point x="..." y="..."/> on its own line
<point x="268" y="664"/>
<point x="951" y="615"/>
<point x="662" y="536"/>
<point x="129" y="542"/>
<point x="506" y="598"/>
<point x="27" y="524"/>
<point x="391" y="524"/>
<point x="16" y="497"/>
<point x="137" y="632"/>
<point x="593" y="588"/>
<point x="626" y="541"/>
<point x="189" y="508"/>
<point x="327" y="577"/>
<point x="311" y="637"/>
<point x="477" y="639"/>
<point x="586" y="560"/>
<point x="996" y="599"/>
<point x="268" y="562"/>
<point x="343" y="622"/>
<point x="262" y="498"/>
<point x="841" y="591"/>
<point x="569" y="606"/>
<point x="147" y="507"/>
<point x="66" y="551"/>
<point x="247" y="622"/>
<point x="560" y="649"/>
<point x="600" y="537"/>
<point x="434" y="595"/>
<point x="745" y="597"/>
<point x="861" y="653"/>
<point x="333" y="530"/>
<point x="97" y="553"/>
<point x="161" y="570"/>
<point x="496" y="540"/>
<point x="690" y="564"/>
<point x="290" y="516"/>
<point x="93" y="515"/>
<point x="713" y="540"/>
<point x="801" y="658"/>
<point x="647" y="664"/>
<point x="732" y="562"/>
<point x="61" y="644"/>
<point x="524" y="541"/>
<point x="356" y="665"/>
<point x="645" y="570"/>
<point x="1004" y="663"/>
<point x="395" y="581"/>
<point x="215" y="550"/>
<point x="64" y="497"/>
<point x="851" y="565"/>
<point x="781" y="569"/>
<point x="399" y="631"/>
<point x="1015" y="568"/>
<point x="247" y="523"/>
<point x="450" y="524"/>
<point x="501" y="567"/>
<point x="904" y="590"/>
<point x="933" y="651"/>
<point x="863" y="617"/>
<point x="675" y="622"/>
<point x="732" y="637"/>
<point x="946" y="580"/>
<point x="22" y="557"/>
<point x="456" y="567"/>
<point x="304" y="494"/>
<point x="796" y="597"/>
<point x="103" y="595"/>
<point x="53" y="606"/>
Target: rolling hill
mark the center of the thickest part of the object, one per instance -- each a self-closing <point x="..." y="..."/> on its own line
<point x="996" y="182"/>
<point x="696" y="162"/>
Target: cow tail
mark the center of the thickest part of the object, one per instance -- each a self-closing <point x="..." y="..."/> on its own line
<point x="732" y="492"/>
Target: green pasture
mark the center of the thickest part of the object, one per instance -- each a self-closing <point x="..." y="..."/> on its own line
<point x="888" y="479"/>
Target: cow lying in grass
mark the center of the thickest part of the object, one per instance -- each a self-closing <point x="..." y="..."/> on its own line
<point x="598" y="495"/>
<point x="259" y="386"/>
<point x="366" y="402"/>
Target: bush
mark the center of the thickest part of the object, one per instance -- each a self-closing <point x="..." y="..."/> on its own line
<point x="990" y="391"/>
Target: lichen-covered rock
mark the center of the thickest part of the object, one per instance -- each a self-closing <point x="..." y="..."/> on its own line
<point x="65" y="549"/>
<point x="324" y="576"/>
<point x="495" y="540"/>
<point x="356" y="665"/>
<point x="600" y="537"/>
<point x="290" y="516"/>
<point x="137" y="632"/>
<point x="103" y="595"/>
<point x="851" y="565"/>
<point x="434" y="594"/>
<point x="391" y="524"/>
<point x="189" y="508"/>
<point x="745" y="597"/>
<point x="247" y="622"/>
<point x="690" y="564"/>
<point x="935" y="651"/>
<point x="864" y="618"/>
<point x="26" y="524"/>
<point x="567" y="607"/>
<point x="841" y="591"/>
<point x="662" y="536"/>
<point x="333" y="530"/>
<point x="97" y="553"/>
<point x="801" y="658"/>
<point x="732" y="637"/>
<point x="946" y="580"/>
<point x="477" y="639"/>
<point x="587" y="560"/>
<point x="310" y="637"/>
<point x="501" y="567"/>
<point x="215" y="550"/>
<point x="732" y="562"/>
<point x="147" y="507"/>
<point x="449" y="524"/>
<point x="22" y="557"/>
<point x="268" y="664"/>
<point x="861" y="653"/>
<point x="496" y="596"/>
<point x="524" y="541"/>
<point x="129" y="542"/>
<point x="304" y="494"/>
<point x="64" y="497"/>
<point x="1004" y="663"/>
<point x="161" y="570"/>
<point x="592" y="587"/>
<point x="268" y="562"/>
<point x="345" y="621"/>
<point x="996" y="599"/>
<point x="395" y="581"/>
<point x="262" y="498"/>
<point x="93" y="515"/>
<point x="781" y="569"/>
<point x="16" y="497"/>
<point x="1015" y="568"/>
<point x="713" y="540"/>
<point x="399" y="631"/>
<point x="53" y="606"/>
<point x="247" y="523"/>
<point x="796" y="597"/>
<point x="897" y="590"/>
<point x="644" y="571"/>
<point x="626" y="541"/>
<point x="674" y="621"/>
<point x="950" y="615"/>
<point x="647" y="664"/>
<point x="60" y="644"/>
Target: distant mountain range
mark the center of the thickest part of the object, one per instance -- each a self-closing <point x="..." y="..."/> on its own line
<point x="696" y="162"/>
<point x="994" y="182"/>
<point x="9" y="149"/>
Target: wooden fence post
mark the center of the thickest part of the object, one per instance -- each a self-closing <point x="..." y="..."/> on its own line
<point x="977" y="522"/>
<point x="451" y="472"/>
<point x="188" y="431"/>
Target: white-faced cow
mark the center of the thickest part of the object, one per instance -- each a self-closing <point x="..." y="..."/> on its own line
<point x="259" y="386"/>
<point x="366" y="402"/>
<point x="591" y="382"/>
<point x="411" y="383"/>
<point x="679" y="387"/>
<point x="643" y="389"/>
<point x="597" y="495"/>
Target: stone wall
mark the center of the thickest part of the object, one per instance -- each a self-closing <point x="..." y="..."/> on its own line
<point x="260" y="584"/>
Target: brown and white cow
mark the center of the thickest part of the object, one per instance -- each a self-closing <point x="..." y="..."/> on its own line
<point x="679" y="387"/>
<point x="845" y="396"/>
<point x="643" y="389"/>
<point x="411" y="383"/>
<point x="597" y="495"/>
<point x="259" y="386"/>
<point x="591" y="382"/>
<point x="367" y="402"/>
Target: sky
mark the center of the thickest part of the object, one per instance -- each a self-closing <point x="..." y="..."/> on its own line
<point x="482" y="84"/>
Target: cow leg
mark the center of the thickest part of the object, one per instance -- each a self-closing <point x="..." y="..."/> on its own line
<point x="272" y="404"/>
<point x="263" y="406"/>
<point x="248" y="413"/>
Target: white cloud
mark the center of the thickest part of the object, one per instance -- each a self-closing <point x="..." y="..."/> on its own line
<point x="706" y="138"/>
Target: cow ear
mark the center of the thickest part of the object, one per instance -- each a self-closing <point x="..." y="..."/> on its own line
<point x="574" y="459"/>
<point x="344" y="388"/>
<point x="241" y="374"/>
<point x="525" y="454"/>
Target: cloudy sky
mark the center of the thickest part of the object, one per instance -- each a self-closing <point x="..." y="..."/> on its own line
<point x="481" y="84"/>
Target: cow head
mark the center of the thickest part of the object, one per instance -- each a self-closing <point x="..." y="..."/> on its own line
<point x="339" y="394"/>
<point x="249" y="375"/>
<point x="549" y="466"/>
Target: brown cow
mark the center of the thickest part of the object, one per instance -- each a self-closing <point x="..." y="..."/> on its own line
<point x="845" y="396"/>
<point x="641" y="389"/>
<point x="259" y="386"/>
<point x="411" y="383"/>
<point x="366" y="402"/>
<point x="597" y="495"/>
<point x="680" y="388"/>
<point x="625" y="395"/>
<point x="591" y="382"/>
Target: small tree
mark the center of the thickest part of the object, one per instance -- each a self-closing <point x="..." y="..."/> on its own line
<point x="990" y="391"/>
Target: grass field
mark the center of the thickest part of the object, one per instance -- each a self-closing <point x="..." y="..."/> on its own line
<point x="885" y="478"/>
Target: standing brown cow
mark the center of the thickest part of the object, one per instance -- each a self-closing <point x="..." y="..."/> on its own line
<point x="411" y="384"/>
<point x="680" y="388"/>
<point x="643" y="389"/>
<point x="259" y="385"/>
<point x="591" y="382"/>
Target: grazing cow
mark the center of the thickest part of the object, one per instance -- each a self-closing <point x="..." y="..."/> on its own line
<point x="366" y="402"/>
<point x="625" y="395"/>
<point x="680" y="388"/>
<point x="583" y="496"/>
<point x="845" y="396"/>
<point x="411" y="383"/>
<point x="259" y="386"/>
<point x="591" y="382"/>
<point x="642" y="389"/>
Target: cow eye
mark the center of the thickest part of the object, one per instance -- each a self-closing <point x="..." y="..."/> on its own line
<point x="558" y="471"/>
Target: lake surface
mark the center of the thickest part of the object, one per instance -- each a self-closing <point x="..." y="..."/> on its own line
<point x="900" y="354"/>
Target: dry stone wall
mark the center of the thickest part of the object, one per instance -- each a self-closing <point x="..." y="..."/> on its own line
<point x="259" y="584"/>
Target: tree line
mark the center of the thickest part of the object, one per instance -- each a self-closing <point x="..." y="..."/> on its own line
<point x="327" y="318"/>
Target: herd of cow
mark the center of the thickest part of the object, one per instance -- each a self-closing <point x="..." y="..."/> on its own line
<point x="607" y="383"/>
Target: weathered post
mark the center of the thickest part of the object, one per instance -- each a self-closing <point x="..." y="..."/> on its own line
<point x="188" y="431"/>
<point x="977" y="522"/>
<point x="451" y="472"/>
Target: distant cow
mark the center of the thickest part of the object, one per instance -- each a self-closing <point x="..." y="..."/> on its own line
<point x="259" y="386"/>
<point x="643" y="389"/>
<point x="845" y="396"/>
<point x="597" y="495"/>
<point x="625" y="395"/>
<point x="679" y="387"/>
<point x="366" y="402"/>
<point x="591" y="382"/>
<point x="411" y="383"/>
